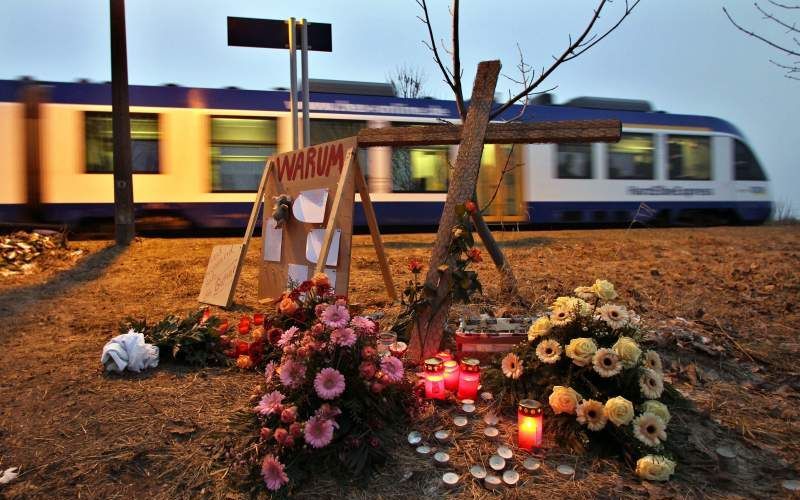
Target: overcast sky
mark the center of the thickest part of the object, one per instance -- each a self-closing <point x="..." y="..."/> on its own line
<point x="682" y="55"/>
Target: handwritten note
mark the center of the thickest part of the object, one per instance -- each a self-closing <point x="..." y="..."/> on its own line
<point x="218" y="282"/>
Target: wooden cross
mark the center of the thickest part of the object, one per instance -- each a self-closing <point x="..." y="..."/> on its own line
<point x="471" y="136"/>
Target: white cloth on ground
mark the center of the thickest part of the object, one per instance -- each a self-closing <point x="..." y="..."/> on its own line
<point x="129" y="351"/>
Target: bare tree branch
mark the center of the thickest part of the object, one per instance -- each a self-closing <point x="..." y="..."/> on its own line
<point x="575" y="48"/>
<point x="426" y="20"/>
<point x="457" y="73"/>
<point x="759" y="37"/>
<point x="775" y="19"/>
<point x="407" y="81"/>
<point x="784" y="6"/>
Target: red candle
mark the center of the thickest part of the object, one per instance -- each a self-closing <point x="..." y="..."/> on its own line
<point x="258" y="319"/>
<point x="434" y="379"/>
<point x="529" y="423"/>
<point x="451" y="375"/>
<point x="469" y="378"/>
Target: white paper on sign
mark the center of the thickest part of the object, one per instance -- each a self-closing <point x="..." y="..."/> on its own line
<point x="298" y="273"/>
<point x="331" y="273"/>
<point x="314" y="246"/>
<point x="310" y="206"/>
<point x="273" y="239"/>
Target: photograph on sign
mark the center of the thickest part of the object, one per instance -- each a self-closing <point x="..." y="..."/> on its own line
<point x="310" y="206"/>
<point x="298" y="273"/>
<point x="273" y="239"/>
<point x="314" y="247"/>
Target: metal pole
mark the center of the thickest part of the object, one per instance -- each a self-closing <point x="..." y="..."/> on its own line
<point x="304" y="60"/>
<point x="293" y="77"/>
<point x="121" y="128"/>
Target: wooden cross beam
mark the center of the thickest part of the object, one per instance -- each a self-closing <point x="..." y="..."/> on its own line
<point x="496" y="133"/>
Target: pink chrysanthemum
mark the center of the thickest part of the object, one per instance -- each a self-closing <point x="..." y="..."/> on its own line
<point x="329" y="383"/>
<point x="273" y="473"/>
<point x="269" y="371"/>
<point x="287" y="337"/>
<point x="344" y="337"/>
<point x="270" y="403"/>
<point x="392" y="368"/>
<point x="335" y="316"/>
<point x="318" y="432"/>
<point x="363" y="325"/>
<point x="292" y="373"/>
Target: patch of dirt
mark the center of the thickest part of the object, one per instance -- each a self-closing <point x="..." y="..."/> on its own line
<point x="722" y="303"/>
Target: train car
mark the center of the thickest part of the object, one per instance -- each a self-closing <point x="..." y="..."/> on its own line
<point x="198" y="154"/>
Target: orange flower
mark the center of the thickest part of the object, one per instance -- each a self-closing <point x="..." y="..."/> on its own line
<point x="288" y="306"/>
<point x="321" y="279"/>
<point x="474" y="255"/>
<point x="258" y="333"/>
<point x="244" y="362"/>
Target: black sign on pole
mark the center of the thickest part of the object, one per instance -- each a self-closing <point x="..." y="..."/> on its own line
<point x="272" y="34"/>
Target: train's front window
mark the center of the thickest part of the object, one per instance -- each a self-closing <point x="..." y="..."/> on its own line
<point x="689" y="158"/>
<point x="100" y="143"/>
<point x="631" y="157"/>
<point x="574" y="161"/>
<point x="746" y="166"/>
<point x="239" y="150"/>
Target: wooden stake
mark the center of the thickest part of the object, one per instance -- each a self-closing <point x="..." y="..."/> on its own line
<point x="372" y="222"/>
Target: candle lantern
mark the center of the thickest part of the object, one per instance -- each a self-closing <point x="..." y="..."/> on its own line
<point x="451" y="375"/>
<point x="469" y="378"/>
<point x="434" y="378"/>
<point x="530" y="422"/>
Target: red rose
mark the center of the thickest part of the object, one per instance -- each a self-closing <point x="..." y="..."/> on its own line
<point x="367" y="370"/>
<point x="474" y="255"/>
<point x="258" y="319"/>
<point x="289" y="441"/>
<point x="266" y="433"/>
<point x="244" y="325"/>
<point x="206" y="315"/>
<point x="368" y="352"/>
<point x="470" y="206"/>
<point x="296" y="429"/>
<point x="289" y="415"/>
<point x="281" y="435"/>
<point x="415" y="266"/>
<point x="305" y="286"/>
<point x="318" y="329"/>
<point x="242" y="347"/>
<point x="274" y="335"/>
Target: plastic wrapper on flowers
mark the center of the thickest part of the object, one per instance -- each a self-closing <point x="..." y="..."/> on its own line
<point x="327" y="401"/>
<point x="584" y="360"/>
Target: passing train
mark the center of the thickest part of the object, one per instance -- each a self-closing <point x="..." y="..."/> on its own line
<point x="198" y="155"/>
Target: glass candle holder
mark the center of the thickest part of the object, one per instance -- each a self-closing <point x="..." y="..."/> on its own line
<point x="469" y="378"/>
<point x="434" y="379"/>
<point x="398" y="349"/>
<point x="529" y="423"/>
<point x="451" y="373"/>
<point x="385" y="341"/>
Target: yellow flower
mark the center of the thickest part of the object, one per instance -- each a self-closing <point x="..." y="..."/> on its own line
<point x="548" y="351"/>
<point x="539" y="328"/>
<point x="604" y="289"/>
<point x="511" y="366"/>
<point x="628" y="351"/>
<point x="619" y="411"/>
<point x="561" y="316"/>
<point x="655" y="468"/>
<point x="563" y="399"/>
<point x="573" y="305"/>
<point x="562" y="303"/>
<point x="653" y="361"/>
<point x="592" y="414"/>
<point x="658" y="408"/>
<point x="585" y="292"/>
<point x="581" y="350"/>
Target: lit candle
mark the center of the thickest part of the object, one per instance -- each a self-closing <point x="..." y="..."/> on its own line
<point x="529" y="422"/>
<point x="451" y="375"/>
<point x="434" y="379"/>
<point x="469" y="378"/>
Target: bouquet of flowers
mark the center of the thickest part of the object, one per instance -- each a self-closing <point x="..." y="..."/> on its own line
<point x="584" y="358"/>
<point x="328" y="399"/>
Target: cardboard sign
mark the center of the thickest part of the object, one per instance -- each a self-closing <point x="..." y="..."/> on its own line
<point x="222" y="269"/>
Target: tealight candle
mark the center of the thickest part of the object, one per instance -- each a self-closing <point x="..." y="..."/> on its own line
<point x="532" y="463"/>
<point x="441" y="458"/>
<point x="468" y="408"/>
<point x="491" y="419"/>
<point x="491" y="432"/>
<point x="460" y="421"/>
<point x="450" y="479"/>
<point x="434" y="379"/>
<point x="414" y="438"/>
<point x="492" y="482"/>
<point x="497" y="462"/>
<point x="423" y="449"/>
<point x="469" y="378"/>
<point x="505" y="452"/>
<point x="451" y="373"/>
<point x="442" y="435"/>
<point x="398" y="349"/>
<point x="510" y="477"/>
<point x="529" y="423"/>
<point x="478" y="471"/>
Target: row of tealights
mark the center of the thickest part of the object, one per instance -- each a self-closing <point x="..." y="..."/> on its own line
<point x="443" y="374"/>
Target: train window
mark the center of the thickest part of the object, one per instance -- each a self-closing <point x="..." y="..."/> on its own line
<point x="574" y="161"/>
<point x="689" y="157"/>
<point x="420" y="169"/>
<point x="100" y="143"/>
<point x="746" y="166"/>
<point x="333" y="130"/>
<point x="239" y="148"/>
<point x="631" y="157"/>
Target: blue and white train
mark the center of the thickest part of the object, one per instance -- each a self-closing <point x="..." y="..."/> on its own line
<point x="198" y="154"/>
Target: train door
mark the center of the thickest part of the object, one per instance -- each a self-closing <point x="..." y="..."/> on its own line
<point x="500" y="183"/>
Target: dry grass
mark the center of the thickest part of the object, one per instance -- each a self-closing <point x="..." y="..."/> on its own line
<point x="724" y="300"/>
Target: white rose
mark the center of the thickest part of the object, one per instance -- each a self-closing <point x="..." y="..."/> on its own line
<point x="628" y="351"/>
<point x="657" y="408"/>
<point x="655" y="468"/>
<point x="581" y="351"/>
<point x="563" y="399"/>
<point x="604" y="289"/>
<point x="619" y="411"/>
